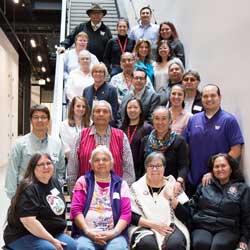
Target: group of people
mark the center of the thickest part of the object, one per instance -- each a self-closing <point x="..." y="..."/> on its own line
<point x="150" y="161"/>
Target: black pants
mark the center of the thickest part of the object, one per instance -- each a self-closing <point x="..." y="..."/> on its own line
<point x="176" y="241"/>
<point x="205" y="240"/>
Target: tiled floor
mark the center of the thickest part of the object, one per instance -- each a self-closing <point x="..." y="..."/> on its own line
<point x="4" y="203"/>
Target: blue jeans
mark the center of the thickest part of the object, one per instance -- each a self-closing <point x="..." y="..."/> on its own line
<point x="32" y="242"/>
<point x="117" y="243"/>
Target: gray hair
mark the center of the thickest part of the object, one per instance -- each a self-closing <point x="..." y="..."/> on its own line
<point x="155" y="155"/>
<point x="178" y="62"/>
<point x="101" y="103"/>
<point x="84" y="53"/>
<point x="101" y="149"/>
<point x="163" y="108"/>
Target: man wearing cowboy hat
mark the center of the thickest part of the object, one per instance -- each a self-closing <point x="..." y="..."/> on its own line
<point x="98" y="32"/>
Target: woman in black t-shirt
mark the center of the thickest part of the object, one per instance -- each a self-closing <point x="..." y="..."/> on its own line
<point x="36" y="216"/>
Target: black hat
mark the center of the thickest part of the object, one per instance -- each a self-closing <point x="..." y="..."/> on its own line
<point x="96" y="7"/>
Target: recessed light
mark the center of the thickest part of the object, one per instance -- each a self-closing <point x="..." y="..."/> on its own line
<point x="39" y="58"/>
<point x="41" y="82"/>
<point x="48" y="79"/>
<point x="33" y="43"/>
<point x="43" y="69"/>
<point x="16" y="1"/>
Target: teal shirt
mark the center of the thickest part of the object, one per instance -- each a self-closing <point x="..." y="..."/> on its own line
<point x="21" y="153"/>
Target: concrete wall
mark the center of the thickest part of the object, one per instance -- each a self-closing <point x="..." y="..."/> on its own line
<point x="8" y="96"/>
<point x="217" y="43"/>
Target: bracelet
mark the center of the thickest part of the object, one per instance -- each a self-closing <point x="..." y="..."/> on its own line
<point x="116" y="233"/>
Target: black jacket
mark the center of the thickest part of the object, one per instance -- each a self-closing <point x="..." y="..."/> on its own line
<point x="97" y="39"/>
<point x="197" y="104"/>
<point x="216" y="207"/>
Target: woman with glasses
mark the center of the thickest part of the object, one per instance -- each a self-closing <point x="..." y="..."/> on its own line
<point x="101" y="90"/>
<point x="156" y="225"/>
<point x="36" y="216"/>
<point x="174" y="148"/>
<point x="167" y="31"/>
<point x="71" y="61"/>
<point x="100" y="206"/>
<point x="79" y="78"/>
<point x="117" y="46"/>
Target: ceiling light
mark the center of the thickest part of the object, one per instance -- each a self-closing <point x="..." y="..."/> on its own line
<point x="39" y="59"/>
<point x="43" y="69"/>
<point x="41" y="82"/>
<point x="16" y="1"/>
<point x="48" y="79"/>
<point x="33" y="43"/>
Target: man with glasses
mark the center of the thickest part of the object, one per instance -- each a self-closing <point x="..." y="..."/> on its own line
<point x="123" y="80"/>
<point x="98" y="33"/>
<point x="37" y="141"/>
<point x="150" y="100"/>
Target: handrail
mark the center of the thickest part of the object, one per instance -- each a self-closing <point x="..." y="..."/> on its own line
<point x="58" y="87"/>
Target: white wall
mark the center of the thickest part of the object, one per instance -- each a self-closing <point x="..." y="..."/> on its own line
<point x="217" y="42"/>
<point x="8" y="96"/>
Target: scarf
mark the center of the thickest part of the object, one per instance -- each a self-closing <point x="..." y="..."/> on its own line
<point x="155" y="144"/>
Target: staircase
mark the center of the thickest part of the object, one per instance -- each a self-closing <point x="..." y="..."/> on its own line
<point x="77" y="13"/>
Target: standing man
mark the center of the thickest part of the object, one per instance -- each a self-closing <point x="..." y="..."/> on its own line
<point x="38" y="141"/>
<point x="150" y="100"/>
<point x="145" y="29"/>
<point x="98" y="32"/>
<point x="208" y="133"/>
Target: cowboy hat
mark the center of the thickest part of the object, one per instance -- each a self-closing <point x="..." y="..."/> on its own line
<point x="96" y="7"/>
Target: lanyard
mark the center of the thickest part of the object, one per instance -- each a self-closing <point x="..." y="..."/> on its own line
<point x="124" y="46"/>
<point x="130" y="137"/>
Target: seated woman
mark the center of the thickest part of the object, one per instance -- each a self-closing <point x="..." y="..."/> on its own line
<point x="179" y="115"/>
<point x="79" y="78"/>
<point x="135" y="128"/>
<point x="158" y="225"/>
<point x="143" y="53"/>
<point x="221" y="211"/>
<point x="101" y="205"/>
<point x="36" y="216"/>
<point x="173" y="147"/>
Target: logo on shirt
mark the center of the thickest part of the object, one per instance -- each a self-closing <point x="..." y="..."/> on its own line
<point x="233" y="190"/>
<point x="217" y="127"/>
<point x="56" y="204"/>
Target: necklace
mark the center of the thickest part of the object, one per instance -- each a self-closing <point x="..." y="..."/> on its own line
<point x="155" y="192"/>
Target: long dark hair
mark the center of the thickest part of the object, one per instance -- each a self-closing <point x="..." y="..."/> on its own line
<point x="174" y="34"/>
<point x="28" y="179"/>
<point x="126" y="120"/>
<point x="170" y="55"/>
<point x="236" y="173"/>
<point x="85" y="119"/>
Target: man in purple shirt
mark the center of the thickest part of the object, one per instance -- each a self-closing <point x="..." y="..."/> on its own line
<point x="210" y="132"/>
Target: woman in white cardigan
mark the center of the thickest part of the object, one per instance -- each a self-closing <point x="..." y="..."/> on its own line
<point x="156" y="224"/>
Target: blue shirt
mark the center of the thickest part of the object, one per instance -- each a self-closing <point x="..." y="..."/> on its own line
<point x="21" y="153"/>
<point x="207" y="137"/>
<point x="149" y="32"/>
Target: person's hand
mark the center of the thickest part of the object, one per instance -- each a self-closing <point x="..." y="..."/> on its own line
<point x="162" y="228"/>
<point x="60" y="50"/>
<point x="177" y="188"/>
<point x="96" y="237"/>
<point x="206" y="179"/>
<point x="58" y="244"/>
<point x="243" y="245"/>
<point x="108" y="235"/>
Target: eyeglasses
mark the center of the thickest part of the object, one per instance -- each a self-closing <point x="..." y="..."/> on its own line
<point x="35" y="117"/>
<point x="98" y="72"/>
<point x="85" y="58"/>
<point x="157" y="166"/>
<point x="127" y="60"/>
<point x="97" y="160"/>
<point x="140" y="78"/>
<point x="191" y="79"/>
<point x="44" y="164"/>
